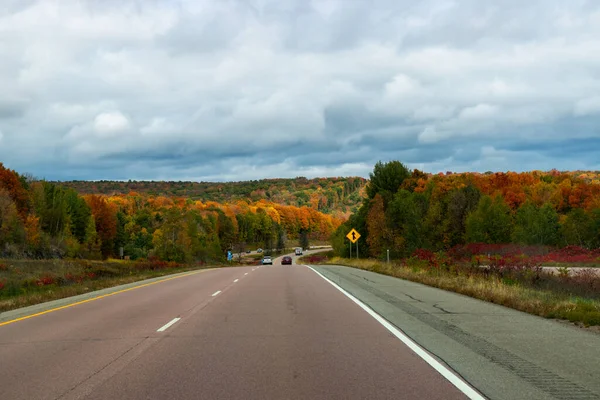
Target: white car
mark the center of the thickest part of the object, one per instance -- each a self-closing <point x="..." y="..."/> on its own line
<point x="298" y="251"/>
<point x="267" y="260"/>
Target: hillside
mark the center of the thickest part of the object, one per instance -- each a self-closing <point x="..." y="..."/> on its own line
<point x="337" y="196"/>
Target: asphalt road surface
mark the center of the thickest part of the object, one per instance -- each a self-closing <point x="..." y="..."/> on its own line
<point x="289" y="332"/>
<point x="280" y="332"/>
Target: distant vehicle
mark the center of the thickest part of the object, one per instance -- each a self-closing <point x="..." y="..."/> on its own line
<point x="298" y="251"/>
<point x="267" y="260"/>
<point x="248" y="251"/>
<point x="286" y="260"/>
<point x="259" y="250"/>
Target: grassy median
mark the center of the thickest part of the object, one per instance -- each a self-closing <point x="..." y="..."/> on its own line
<point x="27" y="282"/>
<point x="574" y="298"/>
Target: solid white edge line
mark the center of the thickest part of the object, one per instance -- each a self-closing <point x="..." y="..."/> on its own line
<point x="167" y="326"/>
<point x="216" y="293"/>
<point x="445" y="372"/>
<point x="235" y="280"/>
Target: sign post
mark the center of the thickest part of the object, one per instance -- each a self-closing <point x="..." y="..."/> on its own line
<point x="353" y="237"/>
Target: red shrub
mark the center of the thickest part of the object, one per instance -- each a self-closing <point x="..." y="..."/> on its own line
<point x="1" y="285"/>
<point x="435" y="260"/>
<point x="315" y="259"/>
<point x="467" y="251"/>
<point x="424" y="255"/>
<point x="46" y="280"/>
<point x="571" y="254"/>
<point x="155" y="264"/>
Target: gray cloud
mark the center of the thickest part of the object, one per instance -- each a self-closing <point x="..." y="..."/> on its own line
<point x="241" y="89"/>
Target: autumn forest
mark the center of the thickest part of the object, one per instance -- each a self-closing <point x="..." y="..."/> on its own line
<point x="398" y="209"/>
<point x="406" y="211"/>
<point x="40" y="219"/>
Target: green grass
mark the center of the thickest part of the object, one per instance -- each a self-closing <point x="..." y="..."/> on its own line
<point x="547" y="299"/>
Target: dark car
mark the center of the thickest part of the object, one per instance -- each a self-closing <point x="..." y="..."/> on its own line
<point x="286" y="260"/>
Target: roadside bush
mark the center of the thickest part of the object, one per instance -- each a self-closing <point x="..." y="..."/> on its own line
<point x="155" y="264"/>
<point x="46" y="280"/>
<point x="465" y="252"/>
<point x="9" y="288"/>
<point x="103" y="271"/>
<point x="588" y="279"/>
<point x="424" y="255"/>
<point x="573" y="254"/>
<point x="435" y="260"/>
<point x="11" y="250"/>
<point x="315" y="259"/>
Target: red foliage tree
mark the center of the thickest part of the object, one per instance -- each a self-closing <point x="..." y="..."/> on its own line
<point x="105" y="216"/>
<point x="10" y="181"/>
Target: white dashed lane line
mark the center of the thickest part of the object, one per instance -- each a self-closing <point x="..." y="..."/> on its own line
<point x="167" y="326"/>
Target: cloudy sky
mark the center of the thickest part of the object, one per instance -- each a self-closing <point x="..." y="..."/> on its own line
<point x="247" y="89"/>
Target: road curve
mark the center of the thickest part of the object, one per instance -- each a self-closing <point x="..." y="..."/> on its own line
<point x="279" y="332"/>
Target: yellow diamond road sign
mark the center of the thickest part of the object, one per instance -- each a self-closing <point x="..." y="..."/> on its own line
<point x="353" y="235"/>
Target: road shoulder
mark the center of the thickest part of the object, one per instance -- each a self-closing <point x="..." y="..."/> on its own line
<point x="502" y="352"/>
<point x="69" y="301"/>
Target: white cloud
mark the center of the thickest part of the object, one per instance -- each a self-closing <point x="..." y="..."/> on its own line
<point x="109" y="124"/>
<point x="401" y="86"/>
<point x="158" y="126"/>
<point x="186" y="84"/>
<point x="587" y="106"/>
<point x="429" y="135"/>
<point x="433" y="112"/>
<point x="480" y="111"/>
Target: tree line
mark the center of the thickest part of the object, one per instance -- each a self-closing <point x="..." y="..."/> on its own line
<point x="408" y="210"/>
<point x="40" y="219"/>
<point x="337" y="196"/>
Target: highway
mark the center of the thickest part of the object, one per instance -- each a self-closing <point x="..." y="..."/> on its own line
<point x="281" y="332"/>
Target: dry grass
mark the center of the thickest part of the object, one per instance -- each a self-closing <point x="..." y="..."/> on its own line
<point x="517" y="295"/>
<point x="22" y="288"/>
<point x="570" y="265"/>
